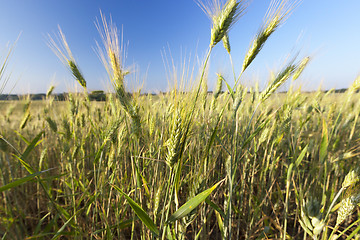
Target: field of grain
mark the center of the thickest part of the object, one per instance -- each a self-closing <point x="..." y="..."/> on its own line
<point x="85" y="162"/>
<point x="236" y="163"/>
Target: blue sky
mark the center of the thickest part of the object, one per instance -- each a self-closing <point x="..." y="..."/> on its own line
<point x="327" y="30"/>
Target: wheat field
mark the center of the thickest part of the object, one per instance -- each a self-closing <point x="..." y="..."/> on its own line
<point x="235" y="163"/>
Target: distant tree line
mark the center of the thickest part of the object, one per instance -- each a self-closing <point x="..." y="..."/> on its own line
<point x="93" y="96"/>
<point x="97" y="95"/>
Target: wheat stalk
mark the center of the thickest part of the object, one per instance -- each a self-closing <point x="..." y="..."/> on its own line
<point x="223" y="17"/>
<point x="239" y="95"/>
<point x="277" y="14"/>
<point x="355" y="86"/>
<point x="347" y="206"/>
<point x="76" y="73"/>
<point x="301" y="67"/>
<point x="174" y="142"/>
<point x="63" y="52"/>
<point x="113" y="57"/>
<point x="3" y="66"/>
<point x="278" y="81"/>
<point x="352" y="195"/>
<point x="25" y="120"/>
<point x="50" y="90"/>
<point x="52" y="124"/>
<point x="226" y="43"/>
<point x="219" y="84"/>
<point x="351" y="178"/>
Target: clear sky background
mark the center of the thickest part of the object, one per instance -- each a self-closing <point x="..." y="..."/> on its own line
<point x="327" y="30"/>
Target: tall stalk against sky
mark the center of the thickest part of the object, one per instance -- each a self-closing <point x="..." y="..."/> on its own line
<point x="113" y="58"/>
<point x="114" y="55"/>
<point x="277" y="14"/>
<point x="62" y="50"/>
<point x="3" y="64"/>
<point x="223" y="16"/>
<point x="3" y="80"/>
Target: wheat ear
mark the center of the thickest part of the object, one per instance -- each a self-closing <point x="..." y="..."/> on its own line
<point x="63" y="52"/>
<point x="50" y="91"/>
<point x="277" y="13"/>
<point x="301" y="67"/>
<point x="352" y="195"/>
<point x="347" y="206"/>
<point x="353" y="89"/>
<point x="217" y="91"/>
<point x="113" y="60"/>
<point x="223" y="17"/>
<point x="174" y="143"/>
<point x="277" y="81"/>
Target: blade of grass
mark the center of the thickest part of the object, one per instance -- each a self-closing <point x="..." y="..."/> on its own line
<point x="187" y="207"/>
<point x="144" y="217"/>
<point x="301" y="156"/>
<point x="21" y="181"/>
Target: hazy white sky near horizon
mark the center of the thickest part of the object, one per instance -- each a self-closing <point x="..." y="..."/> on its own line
<point x="327" y="30"/>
